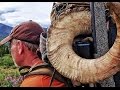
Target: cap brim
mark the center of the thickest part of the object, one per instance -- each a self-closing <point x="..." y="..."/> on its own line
<point x="5" y="40"/>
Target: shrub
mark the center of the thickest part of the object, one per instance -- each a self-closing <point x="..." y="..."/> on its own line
<point x="6" y="61"/>
<point x="4" y="50"/>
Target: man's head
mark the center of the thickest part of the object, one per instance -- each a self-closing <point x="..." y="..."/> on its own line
<point x="24" y="38"/>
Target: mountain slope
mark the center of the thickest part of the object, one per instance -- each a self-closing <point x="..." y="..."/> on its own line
<point x="4" y="30"/>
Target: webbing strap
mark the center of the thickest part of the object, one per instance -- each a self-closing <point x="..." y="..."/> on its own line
<point x="44" y="69"/>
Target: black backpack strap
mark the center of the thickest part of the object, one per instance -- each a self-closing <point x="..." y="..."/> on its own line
<point x="67" y="81"/>
<point x="24" y="70"/>
<point x="52" y="78"/>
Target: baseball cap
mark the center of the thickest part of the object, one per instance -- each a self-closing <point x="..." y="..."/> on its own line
<point x="28" y="31"/>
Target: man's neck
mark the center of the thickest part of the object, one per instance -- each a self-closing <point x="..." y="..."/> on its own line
<point x="31" y="59"/>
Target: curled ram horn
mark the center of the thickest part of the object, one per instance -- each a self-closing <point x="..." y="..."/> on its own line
<point x="61" y="33"/>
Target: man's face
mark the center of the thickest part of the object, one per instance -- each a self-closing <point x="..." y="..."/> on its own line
<point x="14" y="52"/>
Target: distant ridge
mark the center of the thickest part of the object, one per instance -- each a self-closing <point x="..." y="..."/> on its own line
<point x="4" y="30"/>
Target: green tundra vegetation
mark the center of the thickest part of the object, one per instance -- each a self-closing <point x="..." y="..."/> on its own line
<point x="9" y="75"/>
<point x="4" y="50"/>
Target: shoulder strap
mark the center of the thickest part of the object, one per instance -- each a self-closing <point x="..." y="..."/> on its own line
<point x="44" y="69"/>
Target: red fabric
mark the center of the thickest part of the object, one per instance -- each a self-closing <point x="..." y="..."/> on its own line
<point x="28" y="31"/>
<point x="40" y="81"/>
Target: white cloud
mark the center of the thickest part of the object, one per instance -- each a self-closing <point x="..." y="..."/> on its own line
<point x="23" y="11"/>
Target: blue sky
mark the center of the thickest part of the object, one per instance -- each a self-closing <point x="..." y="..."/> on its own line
<point x="13" y="13"/>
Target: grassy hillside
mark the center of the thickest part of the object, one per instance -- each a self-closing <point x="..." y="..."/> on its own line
<point x="9" y="75"/>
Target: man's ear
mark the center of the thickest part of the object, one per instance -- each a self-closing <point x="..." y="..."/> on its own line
<point x="20" y="47"/>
